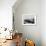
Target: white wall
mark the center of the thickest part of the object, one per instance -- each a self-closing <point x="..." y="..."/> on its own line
<point x="6" y="13"/>
<point x="43" y="22"/>
<point x="38" y="31"/>
<point x="29" y="7"/>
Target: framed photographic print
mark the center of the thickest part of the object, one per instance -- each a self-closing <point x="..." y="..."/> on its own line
<point x="28" y="19"/>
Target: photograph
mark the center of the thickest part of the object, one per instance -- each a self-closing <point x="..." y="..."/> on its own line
<point x="28" y="20"/>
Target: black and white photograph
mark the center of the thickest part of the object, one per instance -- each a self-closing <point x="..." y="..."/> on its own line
<point x="28" y="20"/>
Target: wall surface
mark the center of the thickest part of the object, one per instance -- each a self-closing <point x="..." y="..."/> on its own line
<point x="43" y="22"/>
<point x="6" y="13"/>
<point x="38" y="31"/>
<point x="32" y="32"/>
